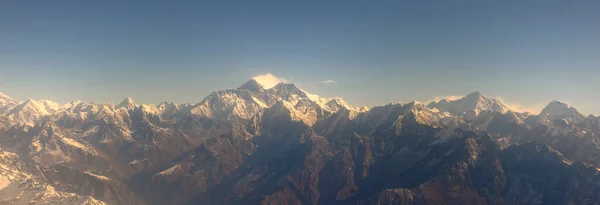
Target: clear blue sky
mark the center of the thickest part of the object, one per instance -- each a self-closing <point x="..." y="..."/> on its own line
<point x="527" y="52"/>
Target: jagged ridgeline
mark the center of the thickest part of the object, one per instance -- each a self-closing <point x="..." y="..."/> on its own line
<point x="282" y="145"/>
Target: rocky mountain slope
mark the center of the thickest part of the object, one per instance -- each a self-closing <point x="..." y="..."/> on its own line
<point x="283" y="145"/>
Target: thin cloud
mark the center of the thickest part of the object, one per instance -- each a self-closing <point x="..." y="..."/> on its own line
<point x="327" y="82"/>
<point x="268" y="80"/>
<point x="534" y="109"/>
<point x="439" y="98"/>
<point x="450" y="98"/>
<point x="516" y="107"/>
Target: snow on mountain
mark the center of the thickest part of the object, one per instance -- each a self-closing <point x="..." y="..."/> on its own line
<point x="169" y="110"/>
<point x="245" y="102"/>
<point x="52" y="106"/>
<point x="97" y="138"/>
<point x="289" y="92"/>
<point x="254" y="96"/>
<point x="228" y="104"/>
<point x="557" y="110"/>
<point x="31" y="106"/>
<point x="29" y="111"/>
<point x="283" y="92"/>
<point x="425" y="115"/>
<point x="257" y="94"/>
<point x="472" y="104"/>
<point x="128" y="104"/>
<point x="486" y="117"/>
<point x="81" y="111"/>
<point x="333" y="104"/>
<point x="150" y="109"/>
<point x="562" y="128"/>
<point x="6" y="100"/>
<point x="252" y="86"/>
<point x="49" y="144"/>
<point x="72" y="104"/>
<point x="288" y="112"/>
<point x="18" y="186"/>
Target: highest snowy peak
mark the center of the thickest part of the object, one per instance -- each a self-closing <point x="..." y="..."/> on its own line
<point x="473" y="102"/>
<point x="291" y="93"/>
<point x="252" y="86"/>
<point x="253" y="97"/>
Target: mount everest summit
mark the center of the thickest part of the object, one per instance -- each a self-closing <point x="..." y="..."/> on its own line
<point x="260" y="144"/>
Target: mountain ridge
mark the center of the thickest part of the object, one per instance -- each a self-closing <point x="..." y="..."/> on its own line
<point x="283" y="145"/>
<point x="253" y="86"/>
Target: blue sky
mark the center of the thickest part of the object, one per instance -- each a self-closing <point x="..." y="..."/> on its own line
<point x="526" y="52"/>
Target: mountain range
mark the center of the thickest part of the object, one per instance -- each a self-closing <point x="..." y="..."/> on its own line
<point x="282" y="145"/>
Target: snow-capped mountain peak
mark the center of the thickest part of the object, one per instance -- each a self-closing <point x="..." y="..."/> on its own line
<point x="5" y="100"/>
<point x="72" y="104"/>
<point x="289" y="88"/>
<point x="288" y="92"/>
<point x="254" y="97"/>
<point x="253" y="86"/>
<point x="128" y="104"/>
<point x="556" y="110"/>
<point x="54" y="106"/>
<point x="42" y="107"/>
<point x="29" y="111"/>
<point x="557" y="106"/>
<point x="474" y="95"/>
<point x="165" y="104"/>
<point x="337" y="103"/>
<point x="101" y="144"/>
<point x="473" y="102"/>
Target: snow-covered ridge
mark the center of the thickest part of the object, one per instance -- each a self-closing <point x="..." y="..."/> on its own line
<point x="254" y="97"/>
<point x="258" y="94"/>
<point x="245" y="102"/>
<point x="473" y="103"/>
<point x="29" y="111"/>
<point x="6" y="100"/>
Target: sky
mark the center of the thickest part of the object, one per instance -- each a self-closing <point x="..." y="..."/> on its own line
<point x="527" y="53"/>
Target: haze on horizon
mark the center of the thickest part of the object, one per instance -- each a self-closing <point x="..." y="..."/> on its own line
<point x="526" y="53"/>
